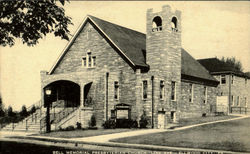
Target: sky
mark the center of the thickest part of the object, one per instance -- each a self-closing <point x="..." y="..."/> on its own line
<point x="209" y="29"/>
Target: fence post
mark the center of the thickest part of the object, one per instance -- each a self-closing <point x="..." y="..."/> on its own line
<point x="26" y="124"/>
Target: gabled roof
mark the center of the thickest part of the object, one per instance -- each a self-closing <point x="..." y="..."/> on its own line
<point x="216" y="66"/>
<point x="191" y="67"/>
<point x="132" y="44"/>
<point x="129" y="41"/>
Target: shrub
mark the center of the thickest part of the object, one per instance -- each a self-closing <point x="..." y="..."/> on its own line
<point x="109" y="124"/>
<point x="126" y="123"/>
<point x="60" y="128"/>
<point x="69" y="128"/>
<point x="78" y="125"/>
<point x="24" y="111"/>
<point x="92" y="122"/>
<point x="32" y="110"/>
<point x="144" y="120"/>
<point x="134" y="124"/>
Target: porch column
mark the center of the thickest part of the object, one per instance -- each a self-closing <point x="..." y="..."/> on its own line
<point x="82" y="95"/>
<point x="42" y="101"/>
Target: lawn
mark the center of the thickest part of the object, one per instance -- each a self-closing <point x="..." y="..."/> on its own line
<point x="198" y="120"/>
<point x="232" y="135"/>
<point x="87" y="133"/>
<point x="84" y="133"/>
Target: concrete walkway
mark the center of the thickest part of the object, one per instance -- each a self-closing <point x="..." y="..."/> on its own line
<point x="104" y="140"/>
<point x="108" y="137"/>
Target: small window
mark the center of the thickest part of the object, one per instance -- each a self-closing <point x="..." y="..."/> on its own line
<point x="162" y="91"/>
<point x="232" y="101"/>
<point x="157" y="24"/>
<point x="94" y="61"/>
<point x="116" y="90"/>
<point x="173" y="91"/>
<point x="173" y="116"/>
<point x="205" y="95"/>
<point x="89" y="59"/>
<point x="144" y="89"/>
<point x="238" y="101"/>
<point x="113" y="116"/>
<point x="222" y="79"/>
<point x="174" y="24"/>
<point x="84" y="62"/>
<point x="191" y="91"/>
<point x="232" y="80"/>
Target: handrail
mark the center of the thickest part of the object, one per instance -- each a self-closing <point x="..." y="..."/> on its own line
<point x="36" y="104"/>
<point x="240" y="109"/>
<point x="63" y="113"/>
<point x="57" y="117"/>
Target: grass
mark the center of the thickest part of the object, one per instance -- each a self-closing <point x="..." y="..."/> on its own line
<point x="198" y="120"/>
<point x="84" y="133"/>
<point x="230" y="135"/>
<point x="88" y="133"/>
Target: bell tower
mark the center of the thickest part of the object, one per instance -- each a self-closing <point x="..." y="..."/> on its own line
<point x="163" y="46"/>
<point x="163" y="42"/>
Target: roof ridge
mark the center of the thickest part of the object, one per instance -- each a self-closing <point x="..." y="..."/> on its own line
<point x="208" y="58"/>
<point x="91" y="16"/>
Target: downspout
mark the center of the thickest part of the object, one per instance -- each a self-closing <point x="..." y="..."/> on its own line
<point x="229" y="102"/>
<point x="152" y="120"/>
<point x="107" y="76"/>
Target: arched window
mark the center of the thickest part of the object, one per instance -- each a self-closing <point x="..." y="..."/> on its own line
<point x="174" y="24"/>
<point x="157" y="24"/>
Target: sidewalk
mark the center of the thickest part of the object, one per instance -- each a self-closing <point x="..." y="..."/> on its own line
<point x="108" y="137"/>
<point x="104" y="140"/>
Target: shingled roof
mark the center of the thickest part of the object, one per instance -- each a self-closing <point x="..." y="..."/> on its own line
<point x="129" y="41"/>
<point x="216" y="66"/>
<point x="191" y="67"/>
<point x="132" y="44"/>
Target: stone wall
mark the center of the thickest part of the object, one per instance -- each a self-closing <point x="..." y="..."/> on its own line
<point x="163" y="48"/>
<point x="239" y="87"/>
<point x="107" y="60"/>
<point x="196" y="107"/>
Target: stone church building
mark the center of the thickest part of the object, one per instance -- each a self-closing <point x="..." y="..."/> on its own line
<point x="110" y="71"/>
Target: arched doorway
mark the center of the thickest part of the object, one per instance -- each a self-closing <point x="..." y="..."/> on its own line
<point x="63" y="95"/>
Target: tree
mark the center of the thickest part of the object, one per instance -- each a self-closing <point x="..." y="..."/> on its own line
<point x="10" y="112"/>
<point x="92" y="122"/>
<point x="33" y="109"/>
<point x="233" y="62"/>
<point x="24" y="111"/>
<point x="32" y="20"/>
<point x="2" y="113"/>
